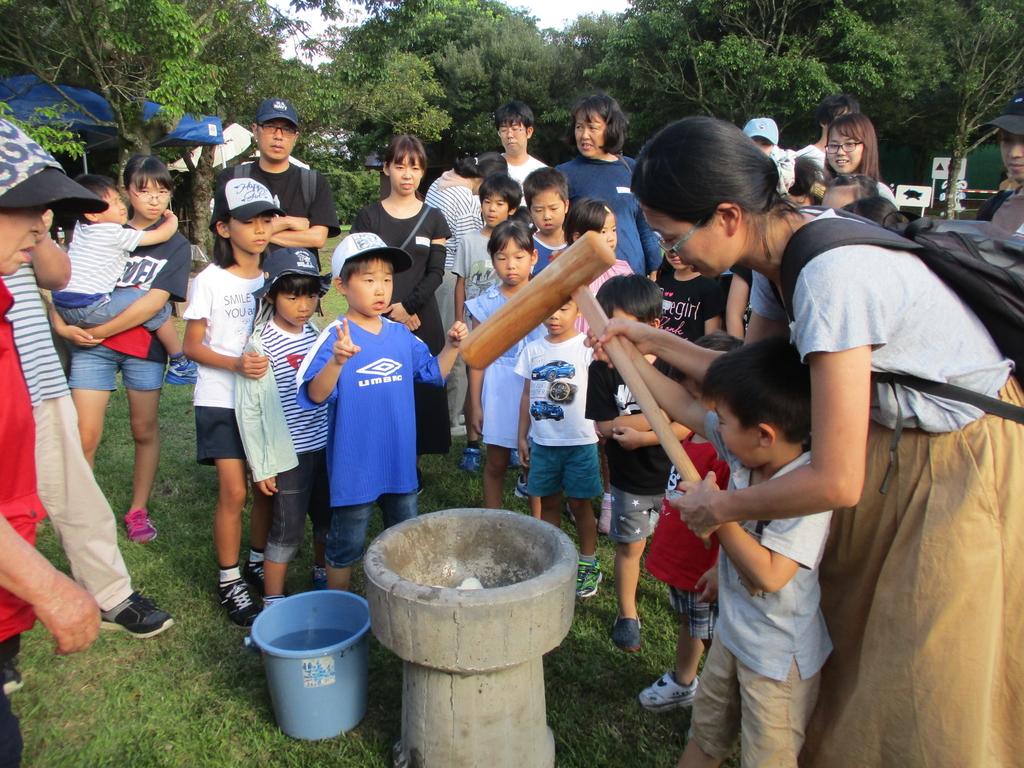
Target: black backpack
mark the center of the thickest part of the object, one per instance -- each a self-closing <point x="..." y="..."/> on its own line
<point x="982" y="263"/>
<point x="307" y="179"/>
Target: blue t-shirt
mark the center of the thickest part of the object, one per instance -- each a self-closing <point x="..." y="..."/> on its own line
<point x="543" y="254"/>
<point x="371" y="438"/>
<point x="609" y="181"/>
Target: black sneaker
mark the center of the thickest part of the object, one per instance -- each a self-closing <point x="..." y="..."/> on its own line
<point x="137" y="616"/>
<point x="11" y="678"/>
<point x="253" y="574"/>
<point x="235" y="597"/>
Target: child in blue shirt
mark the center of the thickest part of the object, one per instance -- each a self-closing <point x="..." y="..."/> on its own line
<point x="493" y="389"/>
<point x="365" y="366"/>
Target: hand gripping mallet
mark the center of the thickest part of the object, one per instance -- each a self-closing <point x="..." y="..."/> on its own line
<point x="568" y="277"/>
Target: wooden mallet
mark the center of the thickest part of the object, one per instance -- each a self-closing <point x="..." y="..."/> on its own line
<point x="567" y="277"/>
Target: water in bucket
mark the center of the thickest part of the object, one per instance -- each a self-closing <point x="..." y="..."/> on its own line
<point x="315" y="654"/>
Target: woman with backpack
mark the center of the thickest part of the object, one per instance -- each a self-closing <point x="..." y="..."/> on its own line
<point x="923" y="574"/>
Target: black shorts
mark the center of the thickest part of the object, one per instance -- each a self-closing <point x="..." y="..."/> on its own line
<point x="217" y="435"/>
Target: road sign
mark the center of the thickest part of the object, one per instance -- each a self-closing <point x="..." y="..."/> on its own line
<point x="908" y="196"/>
<point x="940" y="168"/>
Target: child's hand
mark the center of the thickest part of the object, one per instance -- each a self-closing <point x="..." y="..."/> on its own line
<point x="252" y="365"/>
<point x="629" y="438"/>
<point x="170" y="217"/>
<point x="268" y="487"/>
<point x="413" y="323"/>
<point x="476" y="419"/>
<point x="524" y="453"/>
<point x="457" y="333"/>
<point x="708" y="585"/>
<point x="343" y="348"/>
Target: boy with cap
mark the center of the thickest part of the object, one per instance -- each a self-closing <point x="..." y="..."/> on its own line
<point x="302" y="193"/>
<point x="286" y="446"/>
<point x="365" y="365"/>
<point x="764" y="132"/>
<point x="1007" y="208"/>
<point x="31" y="181"/>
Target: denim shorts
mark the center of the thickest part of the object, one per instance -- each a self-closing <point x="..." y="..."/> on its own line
<point x="346" y="540"/>
<point x="217" y="435"/>
<point x="570" y="469"/>
<point x="96" y="368"/>
<point x="300" y="491"/>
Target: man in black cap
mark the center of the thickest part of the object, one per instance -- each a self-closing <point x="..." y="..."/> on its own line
<point x="303" y="194"/>
<point x="1007" y="208"/>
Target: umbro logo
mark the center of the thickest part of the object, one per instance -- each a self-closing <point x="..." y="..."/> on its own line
<point x="380" y="371"/>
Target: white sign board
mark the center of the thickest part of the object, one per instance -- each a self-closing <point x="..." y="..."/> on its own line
<point x="940" y="168"/>
<point x="908" y="196"/>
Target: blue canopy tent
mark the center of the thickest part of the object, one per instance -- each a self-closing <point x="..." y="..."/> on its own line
<point x="88" y="114"/>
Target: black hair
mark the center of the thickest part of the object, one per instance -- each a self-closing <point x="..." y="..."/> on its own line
<point x="764" y="383"/>
<point x="522" y="215"/>
<point x="542" y="180"/>
<point x="832" y="107"/>
<point x="295" y="284"/>
<point x="808" y="180"/>
<point x="360" y="264"/>
<point x="608" y="109"/>
<point x="510" y="231"/>
<point x="142" y="169"/>
<point x="693" y="165"/>
<point x="98" y="185"/>
<point x="636" y="295"/>
<point x="585" y="215"/>
<point x="719" y="341"/>
<point x="405" y="146"/>
<point x="879" y="209"/>
<point x="865" y="185"/>
<point x="513" y="113"/>
<point x="504" y="186"/>
<point x="480" y="166"/>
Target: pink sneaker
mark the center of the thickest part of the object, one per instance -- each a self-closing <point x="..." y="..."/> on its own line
<point x="140" y="527"/>
<point x="605" y="521"/>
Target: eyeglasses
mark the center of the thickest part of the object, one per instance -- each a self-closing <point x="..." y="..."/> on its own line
<point x="672" y="250"/>
<point x="286" y="130"/>
<point x="153" y="197"/>
<point x="507" y="129"/>
<point x="846" y="146"/>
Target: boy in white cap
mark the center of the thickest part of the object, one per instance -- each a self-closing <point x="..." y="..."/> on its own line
<point x="365" y="365"/>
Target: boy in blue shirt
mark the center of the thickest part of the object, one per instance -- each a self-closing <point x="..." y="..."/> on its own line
<point x="365" y="366"/>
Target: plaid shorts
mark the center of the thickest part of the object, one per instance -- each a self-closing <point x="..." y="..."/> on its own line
<point x="700" y="616"/>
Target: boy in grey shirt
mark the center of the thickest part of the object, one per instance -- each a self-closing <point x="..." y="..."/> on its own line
<point x="760" y="680"/>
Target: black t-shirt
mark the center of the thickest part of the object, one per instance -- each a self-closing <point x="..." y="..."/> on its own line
<point x="643" y="471"/>
<point x="686" y="304"/>
<point x="287" y="188"/>
<point x="164" y="266"/>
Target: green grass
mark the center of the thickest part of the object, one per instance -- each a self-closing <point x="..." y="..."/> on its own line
<point x="194" y="697"/>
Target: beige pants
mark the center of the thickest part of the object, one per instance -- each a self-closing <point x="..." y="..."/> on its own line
<point x="923" y="593"/>
<point x="78" y="510"/>
<point x="769" y="716"/>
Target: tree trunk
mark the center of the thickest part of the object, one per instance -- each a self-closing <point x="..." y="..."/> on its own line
<point x="952" y="189"/>
<point x="201" y="181"/>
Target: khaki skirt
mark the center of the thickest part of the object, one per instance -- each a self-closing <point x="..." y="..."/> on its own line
<point x="923" y="593"/>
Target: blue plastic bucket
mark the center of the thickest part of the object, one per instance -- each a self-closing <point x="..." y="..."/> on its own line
<point x="315" y="653"/>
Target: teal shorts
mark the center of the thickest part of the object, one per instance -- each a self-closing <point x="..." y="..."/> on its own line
<point x="570" y="469"/>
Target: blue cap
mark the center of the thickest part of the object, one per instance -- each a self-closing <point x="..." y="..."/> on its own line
<point x="291" y="261"/>
<point x="277" y="109"/>
<point x="762" y="128"/>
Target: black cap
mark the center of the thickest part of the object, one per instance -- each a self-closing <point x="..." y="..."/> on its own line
<point x="277" y="109"/>
<point x="1012" y="117"/>
<point x="290" y="261"/>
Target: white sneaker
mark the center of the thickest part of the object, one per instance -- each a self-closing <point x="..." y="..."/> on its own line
<point x="665" y="694"/>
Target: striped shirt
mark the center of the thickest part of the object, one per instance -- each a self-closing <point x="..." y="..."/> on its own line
<point x="43" y="372"/>
<point x="286" y="352"/>
<point x="461" y="209"/>
<point x="98" y="254"/>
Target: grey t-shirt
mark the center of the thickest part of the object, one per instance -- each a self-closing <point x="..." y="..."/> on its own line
<point x="769" y="631"/>
<point x="473" y="264"/>
<point x="862" y="295"/>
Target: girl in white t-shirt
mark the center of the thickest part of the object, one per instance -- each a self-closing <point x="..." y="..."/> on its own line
<point x="220" y="315"/>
